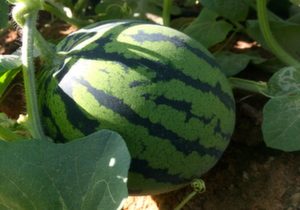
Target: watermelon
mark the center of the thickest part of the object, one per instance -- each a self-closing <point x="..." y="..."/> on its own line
<point x="157" y="87"/>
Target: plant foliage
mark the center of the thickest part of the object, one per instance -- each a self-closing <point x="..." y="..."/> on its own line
<point x="89" y="173"/>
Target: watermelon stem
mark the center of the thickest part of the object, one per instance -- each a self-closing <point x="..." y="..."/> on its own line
<point x="269" y="38"/>
<point x="249" y="85"/>
<point x="166" y="12"/>
<point x="35" y="125"/>
<point x="198" y="186"/>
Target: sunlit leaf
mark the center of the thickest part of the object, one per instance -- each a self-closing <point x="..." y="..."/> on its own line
<point x="89" y="173"/>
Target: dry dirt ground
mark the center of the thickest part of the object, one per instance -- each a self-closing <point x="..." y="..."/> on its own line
<point x="248" y="177"/>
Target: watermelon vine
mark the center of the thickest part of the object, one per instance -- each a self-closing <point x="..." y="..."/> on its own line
<point x="25" y="14"/>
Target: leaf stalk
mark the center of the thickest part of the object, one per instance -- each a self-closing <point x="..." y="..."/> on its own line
<point x="35" y="125"/>
<point x="166" y="12"/>
<point x="249" y="85"/>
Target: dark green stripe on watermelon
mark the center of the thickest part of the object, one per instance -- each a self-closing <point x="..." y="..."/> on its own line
<point x="78" y="37"/>
<point x="75" y="39"/>
<point x="79" y="118"/>
<point x="164" y="72"/>
<point x="218" y="130"/>
<point x="160" y="175"/>
<point x="76" y="115"/>
<point x="48" y="115"/>
<point x="142" y="37"/>
<point x="181" y="105"/>
<point x="157" y="130"/>
<point x="64" y="69"/>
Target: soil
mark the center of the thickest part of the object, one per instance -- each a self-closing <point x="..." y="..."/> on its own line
<point x="249" y="176"/>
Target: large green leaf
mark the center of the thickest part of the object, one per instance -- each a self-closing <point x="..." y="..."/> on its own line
<point x="207" y="29"/>
<point x="231" y="9"/>
<point x="233" y="63"/>
<point x="88" y="173"/>
<point x="285" y="82"/>
<point x="281" y="124"/>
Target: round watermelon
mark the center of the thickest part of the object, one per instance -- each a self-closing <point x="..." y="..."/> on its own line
<point x="157" y="87"/>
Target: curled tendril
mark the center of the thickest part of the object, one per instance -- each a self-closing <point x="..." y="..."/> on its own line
<point x="198" y="186"/>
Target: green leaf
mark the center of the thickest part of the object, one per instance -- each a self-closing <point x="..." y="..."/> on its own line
<point x="281" y="124"/>
<point x="10" y="66"/>
<point x="271" y="65"/>
<point x="9" y="62"/>
<point x="3" y="14"/>
<point x="285" y="81"/>
<point x="295" y="2"/>
<point x="207" y="29"/>
<point x="181" y="23"/>
<point x="286" y="33"/>
<point x="6" y="122"/>
<point x="231" y="9"/>
<point x="113" y="9"/>
<point x="88" y="173"/>
<point x="295" y="18"/>
<point x="154" y="7"/>
<point x="233" y="63"/>
<point x="148" y="6"/>
<point x="6" y="78"/>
